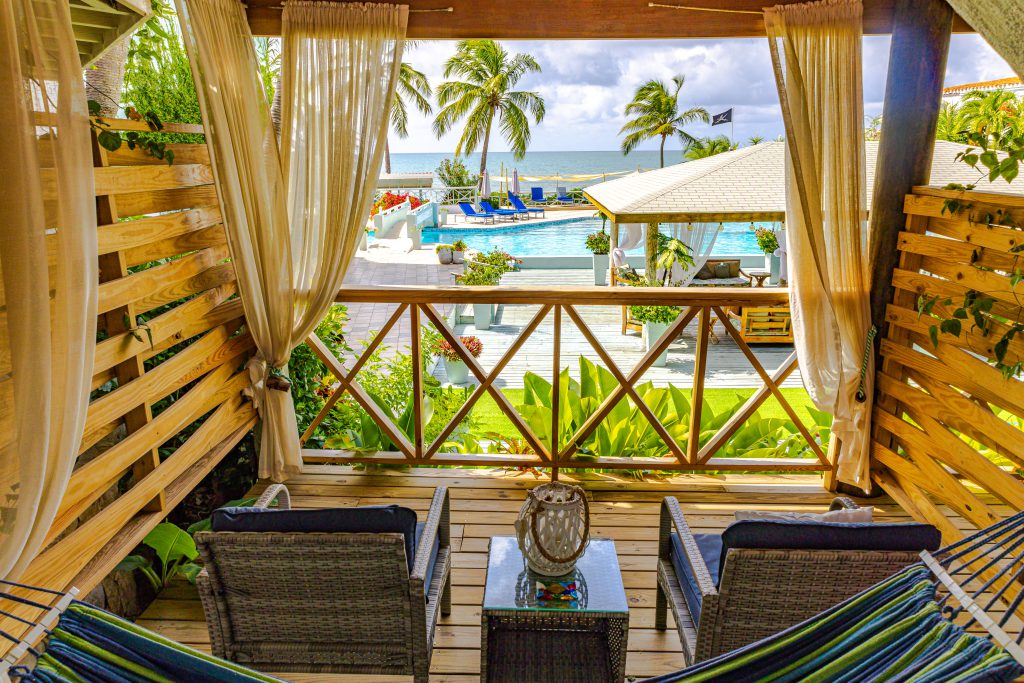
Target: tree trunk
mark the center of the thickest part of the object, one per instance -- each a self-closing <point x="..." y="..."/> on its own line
<point x="651" y="249"/>
<point x="387" y="155"/>
<point x="105" y="80"/>
<point x="487" y="140"/>
<point x="663" y="151"/>
<point x="275" y="106"/>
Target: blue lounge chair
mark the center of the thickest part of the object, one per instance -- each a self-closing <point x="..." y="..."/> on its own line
<point x="537" y="195"/>
<point x="469" y="212"/>
<point x="501" y="213"/>
<point x="563" y="197"/>
<point x="517" y="204"/>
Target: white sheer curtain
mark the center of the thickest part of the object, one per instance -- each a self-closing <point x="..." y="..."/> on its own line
<point x="816" y="52"/>
<point x="700" y="238"/>
<point x="630" y="236"/>
<point x="294" y="216"/>
<point x="47" y="301"/>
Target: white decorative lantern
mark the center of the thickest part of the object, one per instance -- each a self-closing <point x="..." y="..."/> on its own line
<point x="553" y="528"/>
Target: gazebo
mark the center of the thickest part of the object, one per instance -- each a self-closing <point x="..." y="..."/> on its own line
<point x="746" y="184"/>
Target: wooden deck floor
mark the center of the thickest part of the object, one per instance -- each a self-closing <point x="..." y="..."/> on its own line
<point x="485" y="503"/>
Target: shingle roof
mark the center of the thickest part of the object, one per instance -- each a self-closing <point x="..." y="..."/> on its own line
<point x="745" y="184"/>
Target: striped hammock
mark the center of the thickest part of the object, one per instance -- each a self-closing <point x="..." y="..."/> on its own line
<point x="929" y="623"/>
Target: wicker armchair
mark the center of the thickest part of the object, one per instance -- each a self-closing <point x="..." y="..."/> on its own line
<point x="326" y="602"/>
<point x="761" y="591"/>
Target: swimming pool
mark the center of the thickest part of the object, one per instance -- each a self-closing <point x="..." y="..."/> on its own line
<point x="566" y="238"/>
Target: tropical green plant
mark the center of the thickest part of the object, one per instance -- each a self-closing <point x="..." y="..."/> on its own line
<point x="439" y="247"/>
<point x="496" y="258"/>
<point x="413" y="86"/>
<point x="268" y="61"/>
<point x="489" y="75"/>
<point x="311" y="380"/>
<point x="996" y="114"/>
<point x="670" y="253"/>
<point x="598" y="243"/>
<point x="702" y="148"/>
<point x="873" y="129"/>
<point x="174" y="549"/>
<point x="479" y="275"/>
<point x="626" y="432"/>
<point x="472" y="344"/>
<point x="656" y="114"/>
<point x="453" y="173"/>
<point x="953" y="123"/>
<point x="663" y="315"/>
<point x="767" y="240"/>
<point x="459" y="245"/>
<point x="755" y="140"/>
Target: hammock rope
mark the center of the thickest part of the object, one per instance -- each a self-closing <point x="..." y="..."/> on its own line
<point x="910" y="627"/>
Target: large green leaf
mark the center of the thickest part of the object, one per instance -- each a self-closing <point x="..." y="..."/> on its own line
<point x="171" y="544"/>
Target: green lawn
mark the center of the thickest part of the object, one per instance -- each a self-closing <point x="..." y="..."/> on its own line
<point x="491" y="419"/>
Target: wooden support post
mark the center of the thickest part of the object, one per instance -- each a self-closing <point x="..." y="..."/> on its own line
<point x="613" y="243"/>
<point x="112" y="266"/>
<point x="651" y="251"/>
<point x="913" y="94"/>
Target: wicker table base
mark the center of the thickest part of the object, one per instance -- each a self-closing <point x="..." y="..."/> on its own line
<point x="525" y="643"/>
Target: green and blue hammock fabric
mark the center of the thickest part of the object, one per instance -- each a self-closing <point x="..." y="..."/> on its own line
<point x="912" y="627"/>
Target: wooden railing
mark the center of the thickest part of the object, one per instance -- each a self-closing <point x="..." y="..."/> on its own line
<point x="706" y="306"/>
<point x="947" y="423"/>
<point x="173" y="336"/>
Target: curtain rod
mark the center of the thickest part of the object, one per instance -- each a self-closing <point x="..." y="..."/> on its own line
<point x="411" y="11"/>
<point x="706" y="9"/>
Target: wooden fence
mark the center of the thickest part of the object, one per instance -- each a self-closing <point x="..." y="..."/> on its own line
<point x="693" y="451"/>
<point x="948" y="424"/>
<point x="167" y="264"/>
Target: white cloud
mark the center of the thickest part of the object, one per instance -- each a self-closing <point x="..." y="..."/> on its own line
<point x="586" y="84"/>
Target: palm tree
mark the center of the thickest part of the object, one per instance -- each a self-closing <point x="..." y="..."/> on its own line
<point x="702" y="148"/>
<point x="657" y="115"/>
<point x="755" y="140"/>
<point x="953" y="123"/>
<point x="414" y="86"/>
<point x="996" y="113"/>
<point x="489" y="75"/>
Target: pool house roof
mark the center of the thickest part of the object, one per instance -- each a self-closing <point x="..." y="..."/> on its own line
<point x="746" y="184"/>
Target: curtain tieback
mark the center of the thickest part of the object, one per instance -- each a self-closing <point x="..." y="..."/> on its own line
<point x="869" y="348"/>
<point x="263" y="377"/>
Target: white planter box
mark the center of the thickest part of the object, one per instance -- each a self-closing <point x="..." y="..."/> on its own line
<point x="651" y="334"/>
<point x="456" y="371"/>
<point x="600" y="269"/>
<point x="482" y="316"/>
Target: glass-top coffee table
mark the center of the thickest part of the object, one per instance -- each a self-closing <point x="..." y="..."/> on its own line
<point x="579" y="637"/>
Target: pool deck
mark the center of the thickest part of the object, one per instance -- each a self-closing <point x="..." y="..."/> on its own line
<point x="727" y="366"/>
<point x="553" y="214"/>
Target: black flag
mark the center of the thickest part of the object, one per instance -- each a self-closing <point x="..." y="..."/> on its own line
<point x="724" y="117"/>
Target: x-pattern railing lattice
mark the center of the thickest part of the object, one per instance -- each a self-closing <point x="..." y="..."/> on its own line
<point x="691" y="455"/>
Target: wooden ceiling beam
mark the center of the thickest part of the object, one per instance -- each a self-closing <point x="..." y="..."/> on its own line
<point x="583" y="19"/>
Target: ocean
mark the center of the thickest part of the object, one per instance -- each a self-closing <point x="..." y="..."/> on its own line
<point x="540" y="164"/>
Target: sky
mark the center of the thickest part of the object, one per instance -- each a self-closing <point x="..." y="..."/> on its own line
<point x="587" y="83"/>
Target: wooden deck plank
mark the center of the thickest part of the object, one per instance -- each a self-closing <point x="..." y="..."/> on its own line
<point x="485" y="503"/>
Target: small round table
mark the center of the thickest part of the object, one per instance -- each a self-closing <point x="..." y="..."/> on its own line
<point x="759" y="276"/>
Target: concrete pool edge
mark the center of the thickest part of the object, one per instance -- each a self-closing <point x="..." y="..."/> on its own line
<point x="747" y="261"/>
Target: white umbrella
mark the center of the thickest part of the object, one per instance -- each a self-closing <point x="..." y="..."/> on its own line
<point x="485" y="184"/>
<point x="515" y="181"/>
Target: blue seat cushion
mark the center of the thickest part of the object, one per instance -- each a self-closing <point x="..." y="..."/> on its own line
<point x="710" y="547"/>
<point x="433" y="555"/>
<point x="795" y="535"/>
<point x="374" y="519"/>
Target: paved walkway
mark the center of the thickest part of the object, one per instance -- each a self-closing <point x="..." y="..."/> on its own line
<point x="727" y="366"/>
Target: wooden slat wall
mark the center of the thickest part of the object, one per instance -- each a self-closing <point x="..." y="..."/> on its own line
<point x="182" y="241"/>
<point x="933" y="399"/>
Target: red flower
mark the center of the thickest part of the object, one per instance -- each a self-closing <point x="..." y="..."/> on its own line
<point x="390" y="200"/>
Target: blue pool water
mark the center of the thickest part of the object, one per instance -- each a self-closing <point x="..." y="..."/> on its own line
<point x="566" y="238"/>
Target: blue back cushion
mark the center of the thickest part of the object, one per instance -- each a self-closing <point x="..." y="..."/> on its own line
<point x="832" y="536"/>
<point x="369" y="519"/>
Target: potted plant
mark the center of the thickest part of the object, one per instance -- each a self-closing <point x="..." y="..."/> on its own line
<point x="599" y="244"/>
<point x="768" y="242"/>
<point x="458" y="251"/>
<point x="454" y="367"/>
<point x="656" y="319"/>
<point x="479" y="274"/>
<point x="445" y="253"/>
